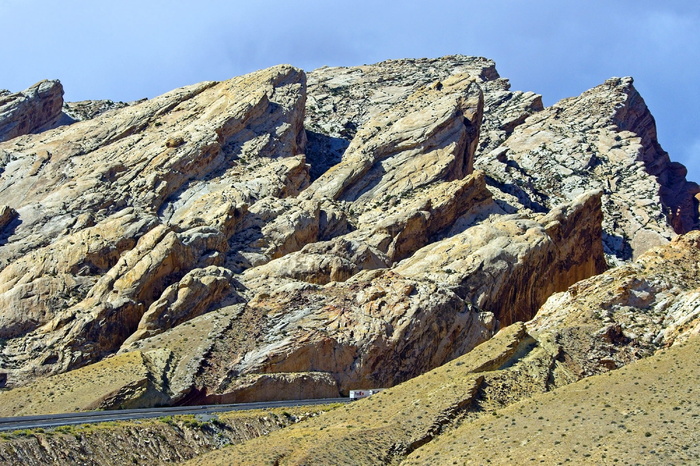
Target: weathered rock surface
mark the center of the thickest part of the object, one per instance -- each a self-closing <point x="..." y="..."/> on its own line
<point x="399" y="418"/>
<point x="491" y="264"/>
<point x="278" y="386"/>
<point x="7" y="215"/>
<point x="32" y="110"/>
<point x="88" y="109"/>
<point x="192" y="296"/>
<point x="502" y="386"/>
<point x="603" y="139"/>
<point x="429" y="135"/>
<point x="101" y="233"/>
<point x="628" y="312"/>
<point x="257" y="235"/>
<point x="380" y="327"/>
<point x="179" y="355"/>
<point x="341" y="100"/>
<point x="161" y="441"/>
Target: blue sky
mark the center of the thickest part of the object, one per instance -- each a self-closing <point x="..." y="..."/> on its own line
<point x="132" y="49"/>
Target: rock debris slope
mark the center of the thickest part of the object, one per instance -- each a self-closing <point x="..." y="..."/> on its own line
<point x="283" y="234"/>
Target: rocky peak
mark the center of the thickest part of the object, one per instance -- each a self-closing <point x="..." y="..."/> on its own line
<point x="342" y="99"/>
<point x="631" y="114"/>
<point x="603" y="139"/>
<point x="33" y="110"/>
<point x="395" y="151"/>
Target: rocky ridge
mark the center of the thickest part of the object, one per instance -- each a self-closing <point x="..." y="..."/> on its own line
<point x="31" y="111"/>
<point x="314" y="233"/>
<point x="88" y="109"/>
<point x="605" y="139"/>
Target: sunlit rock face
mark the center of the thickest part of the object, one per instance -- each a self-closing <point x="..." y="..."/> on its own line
<point x="315" y="233"/>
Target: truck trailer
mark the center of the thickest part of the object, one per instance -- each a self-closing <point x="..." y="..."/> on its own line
<point x="357" y="394"/>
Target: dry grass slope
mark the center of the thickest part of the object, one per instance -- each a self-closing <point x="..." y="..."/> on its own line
<point x="82" y="389"/>
<point x="645" y="413"/>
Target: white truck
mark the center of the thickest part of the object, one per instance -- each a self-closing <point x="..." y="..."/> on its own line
<point x="357" y="394"/>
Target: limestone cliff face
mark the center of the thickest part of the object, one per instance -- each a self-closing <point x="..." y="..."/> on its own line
<point x="284" y="233"/>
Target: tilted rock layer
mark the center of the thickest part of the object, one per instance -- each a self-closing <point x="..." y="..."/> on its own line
<point x="310" y="234"/>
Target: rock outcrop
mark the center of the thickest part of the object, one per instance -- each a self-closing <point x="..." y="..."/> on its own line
<point x="603" y="139"/>
<point x="491" y="264"/>
<point x="382" y="327"/>
<point x="101" y="234"/>
<point x="341" y="100"/>
<point x="429" y="135"/>
<point x="276" y="233"/>
<point x="30" y="111"/>
<point x="628" y="312"/>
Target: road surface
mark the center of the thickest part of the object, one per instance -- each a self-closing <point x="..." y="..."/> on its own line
<point x="89" y="417"/>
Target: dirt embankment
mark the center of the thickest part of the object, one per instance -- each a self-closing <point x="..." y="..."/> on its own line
<point x="164" y="440"/>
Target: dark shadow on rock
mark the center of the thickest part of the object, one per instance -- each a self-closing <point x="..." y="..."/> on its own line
<point x="193" y="397"/>
<point x="524" y="197"/>
<point x="323" y="151"/>
<point x="507" y="208"/>
<point x="245" y="240"/>
<point x="63" y="120"/>
<point x="617" y="246"/>
<point x="9" y="230"/>
<point x="332" y="227"/>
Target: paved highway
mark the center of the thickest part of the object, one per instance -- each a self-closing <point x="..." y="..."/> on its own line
<point x="55" y="420"/>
